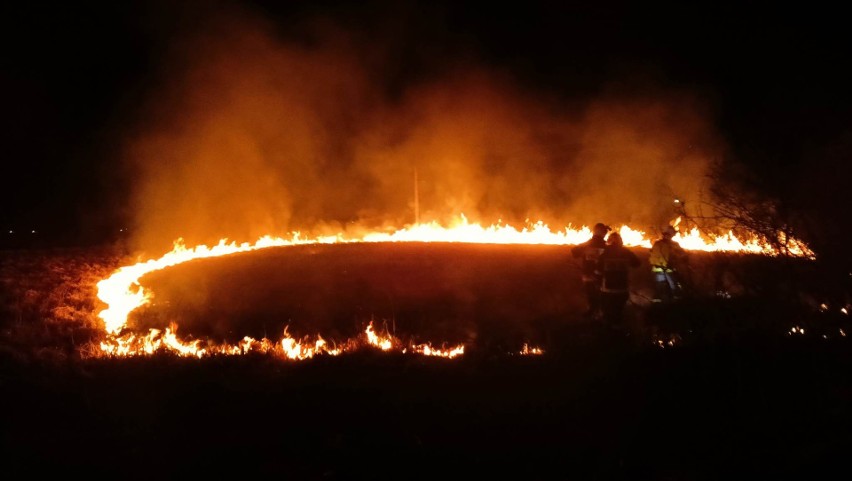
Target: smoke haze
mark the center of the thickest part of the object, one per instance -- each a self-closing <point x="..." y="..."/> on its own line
<point x="254" y="132"/>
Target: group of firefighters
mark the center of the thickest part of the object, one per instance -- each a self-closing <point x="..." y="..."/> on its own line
<point x="606" y="266"/>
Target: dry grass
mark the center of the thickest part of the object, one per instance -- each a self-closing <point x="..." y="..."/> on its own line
<point x="494" y="296"/>
<point x="48" y="300"/>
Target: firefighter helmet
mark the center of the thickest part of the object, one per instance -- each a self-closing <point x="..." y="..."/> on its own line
<point x="614" y="239"/>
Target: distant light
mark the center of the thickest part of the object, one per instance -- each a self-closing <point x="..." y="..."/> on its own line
<point x="843" y="310"/>
<point x="11" y="232"/>
<point x="33" y="232"/>
<point x="677" y="201"/>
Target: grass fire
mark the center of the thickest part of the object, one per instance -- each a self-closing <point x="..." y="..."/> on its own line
<point x="415" y="240"/>
<point x="123" y="293"/>
<point x="423" y="335"/>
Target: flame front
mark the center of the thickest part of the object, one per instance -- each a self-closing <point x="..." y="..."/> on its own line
<point x="287" y="348"/>
<point x="123" y="293"/>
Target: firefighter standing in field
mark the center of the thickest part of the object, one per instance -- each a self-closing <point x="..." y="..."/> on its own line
<point x="665" y="256"/>
<point x="615" y="264"/>
<point x="588" y="253"/>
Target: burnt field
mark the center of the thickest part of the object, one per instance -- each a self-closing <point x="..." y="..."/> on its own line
<point x="737" y="394"/>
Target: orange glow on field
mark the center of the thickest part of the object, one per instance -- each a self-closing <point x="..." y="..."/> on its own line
<point x="122" y="292"/>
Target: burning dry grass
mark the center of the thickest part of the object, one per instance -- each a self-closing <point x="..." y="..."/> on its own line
<point x="429" y="299"/>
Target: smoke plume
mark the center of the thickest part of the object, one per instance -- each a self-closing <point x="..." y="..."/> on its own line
<point x="252" y="131"/>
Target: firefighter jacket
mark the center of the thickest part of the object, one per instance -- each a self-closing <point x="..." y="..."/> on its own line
<point x="665" y="254"/>
<point x="589" y="252"/>
<point x="615" y="264"/>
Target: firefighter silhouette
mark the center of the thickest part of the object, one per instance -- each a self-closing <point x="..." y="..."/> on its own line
<point x="588" y="253"/>
<point x="615" y="264"/>
<point x="666" y="255"/>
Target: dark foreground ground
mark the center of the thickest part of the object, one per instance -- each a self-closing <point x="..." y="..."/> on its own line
<point x="601" y="411"/>
<point x="736" y="397"/>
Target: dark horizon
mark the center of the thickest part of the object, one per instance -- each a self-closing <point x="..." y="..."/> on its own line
<point x="76" y="77"/>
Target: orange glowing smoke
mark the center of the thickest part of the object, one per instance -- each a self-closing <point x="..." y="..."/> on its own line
<point x="123" y="293"/>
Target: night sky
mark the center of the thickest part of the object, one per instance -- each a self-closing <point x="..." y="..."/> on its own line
<point x="74" y="75"/>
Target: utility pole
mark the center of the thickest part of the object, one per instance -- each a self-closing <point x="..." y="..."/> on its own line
<point x="416" y="199"/>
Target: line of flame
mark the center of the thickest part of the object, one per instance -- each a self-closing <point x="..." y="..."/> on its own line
<point x="288" y="347"/>
<point x="122" y="292"/>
